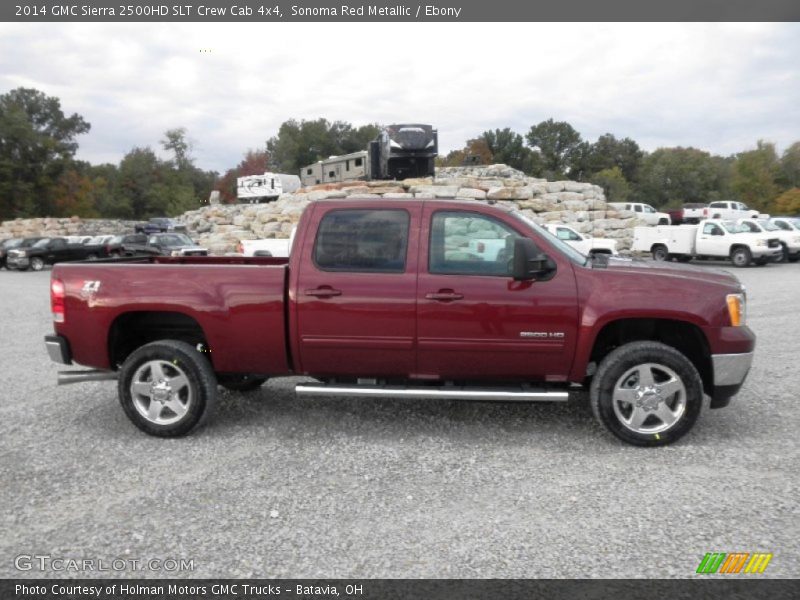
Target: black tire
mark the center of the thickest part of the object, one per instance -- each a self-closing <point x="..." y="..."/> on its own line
<point x="741" y="257"/>
<point x="794" y="259"/>
<point x="178" y="358"/>
<point x="663" y="222"/>
<point x="242" y="383"/>
<point x="114" y="254"/>
<point x="631" y="356"/>
<point x="760" y="262"/>
<point x="784" y="253"/>
<point x="37" y="264"/>
<point x="660" y="253"/>
<point x="92" y="257"/>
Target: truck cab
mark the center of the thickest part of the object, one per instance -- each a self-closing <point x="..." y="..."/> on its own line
<point x="789" y="240"/>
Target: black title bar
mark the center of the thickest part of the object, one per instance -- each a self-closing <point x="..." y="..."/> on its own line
<point x="276" y="11"/>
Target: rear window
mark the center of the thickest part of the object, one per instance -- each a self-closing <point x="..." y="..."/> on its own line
<point x="362" y="241"/>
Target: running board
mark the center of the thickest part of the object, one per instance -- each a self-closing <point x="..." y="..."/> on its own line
<point x="519" y="394"/>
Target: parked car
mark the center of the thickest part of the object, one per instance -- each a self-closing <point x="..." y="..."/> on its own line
<point x="279" y="247"/>
<point x="99" y="240"/>
<point x="371" y="304"/>
<point x="15" y="243"/>
<point x="645" y="212"/>
<point x="732" y="211"/>
<point x="585" y="244"/>
<point x="166" y="244"/>
<point x="159" y="225"/>
<point x="115" y="247"/>
<point x="48" y="251"/>
<point x="693" y="212"/>
<point x="712" y="238"/>
<point x="790" y="240"/>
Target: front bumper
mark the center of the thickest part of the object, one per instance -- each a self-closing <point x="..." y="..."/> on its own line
<point x="763" y="252"/>
<point x="18" y="262"/>
<point x="730" y="371"/>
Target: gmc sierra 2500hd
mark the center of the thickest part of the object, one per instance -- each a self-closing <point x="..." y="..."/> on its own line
<point x="393" y="298"/>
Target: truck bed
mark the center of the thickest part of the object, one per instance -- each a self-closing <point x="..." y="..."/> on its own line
<point x="239" y="303"/>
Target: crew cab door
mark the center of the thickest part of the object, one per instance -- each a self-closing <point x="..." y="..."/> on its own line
<point x="355" y="293"/>
<point x="712" y="240"/>
<point x="473" y="320"/>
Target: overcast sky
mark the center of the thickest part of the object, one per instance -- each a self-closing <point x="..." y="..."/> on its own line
<point x="718" y="87"/>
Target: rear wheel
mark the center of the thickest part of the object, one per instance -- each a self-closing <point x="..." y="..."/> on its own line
<point x="241" y="383"/>
<point x="741" y="257"/>
<point x="647" y="394"/>
<point x="660" y="252"/>
<point x="167" y="388"/>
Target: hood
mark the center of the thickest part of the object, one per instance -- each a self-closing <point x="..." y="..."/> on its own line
<point x="676" y="270"/>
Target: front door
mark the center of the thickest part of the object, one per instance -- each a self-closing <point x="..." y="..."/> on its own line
<point x="473" y="320"/>
<point x="356" y="291"/>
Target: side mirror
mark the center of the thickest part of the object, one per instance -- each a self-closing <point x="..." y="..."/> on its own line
<point x="530" y="263"/>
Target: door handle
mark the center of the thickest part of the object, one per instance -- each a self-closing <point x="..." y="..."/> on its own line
<point x="323" y="292"/>
<point x="444" y="295"/>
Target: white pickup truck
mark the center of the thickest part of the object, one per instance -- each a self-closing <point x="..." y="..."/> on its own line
<point x="712" y="238"/>
<point x="645" y="212"/>
<point x="790" y="240"/>
<point x="276" y="247"/>
<point x="585" y="244"/>
<point x="730" y="210"/>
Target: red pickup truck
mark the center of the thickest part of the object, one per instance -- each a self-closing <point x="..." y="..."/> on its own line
<point x="411" y="299"/>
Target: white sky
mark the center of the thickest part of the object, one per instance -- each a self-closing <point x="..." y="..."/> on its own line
<point x="719" y="87"/>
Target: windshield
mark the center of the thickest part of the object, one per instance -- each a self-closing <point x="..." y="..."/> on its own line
<point x="732" y="227"/>
<point x="13" y="243"/>
<point x="571" y="253"/>
<point x="795" y="223"/>
<point x="41" y="242"/>
<point x="768" y="226"/>
<point x="175" y="239"/>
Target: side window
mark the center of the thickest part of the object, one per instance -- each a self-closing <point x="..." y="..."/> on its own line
<point x="649" y="209"/>
<point x="637" y="207"/>
<point x="567" y="234"/>
<point x="711" y="229"/>
<point x="362" y="241"/>
<point x="58" y="243"/>
<point x="783" y="225"/>
<point x="358" y="162"/>
<point x="751" y="227"/>
<point x="309" y="171"/>
<point x="468" y="243"/>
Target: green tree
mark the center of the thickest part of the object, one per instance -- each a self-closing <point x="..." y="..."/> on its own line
<point x="558" y="145"/>
<point x="754" y="176"/>
<point x="788" y="203"/>
<point x="175" y="141"/>
<point x="790" y="166"/>
<point x="509" y="148"/>
<point x="37" y="144"/>
<point x="301" y="143"/>
<point x="614" y="184"/>
<point x="606" y="153"/>
<point x="139" y="184"/>
<point x="677" y="175"/>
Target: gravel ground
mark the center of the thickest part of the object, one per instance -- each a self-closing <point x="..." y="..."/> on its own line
<point x="280" y="487"/>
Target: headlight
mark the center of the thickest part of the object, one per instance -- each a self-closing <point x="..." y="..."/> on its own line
<point x="761" y="242"/>
<point x="796" y="239"/>
<point x="22" y="254"/>
<point x="737" y="309"/>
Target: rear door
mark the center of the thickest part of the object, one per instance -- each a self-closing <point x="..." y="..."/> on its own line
<point x="473" y="320"/>
<point x="355" y="292"/>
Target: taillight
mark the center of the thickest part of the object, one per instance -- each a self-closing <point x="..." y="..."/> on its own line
<point x="705" y="212"/>
<point x="57" y="296"/>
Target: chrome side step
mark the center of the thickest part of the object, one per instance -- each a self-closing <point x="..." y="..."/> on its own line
<point x="67" y="377"/>
<point x="516" y="394"/>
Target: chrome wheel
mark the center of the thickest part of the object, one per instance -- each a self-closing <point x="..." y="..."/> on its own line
<point x="37" y="264"/>
<point x="161" y="392"/>
<point x="649" y="398"/>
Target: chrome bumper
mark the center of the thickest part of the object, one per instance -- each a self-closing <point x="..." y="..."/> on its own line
<point x="731" y="369"/>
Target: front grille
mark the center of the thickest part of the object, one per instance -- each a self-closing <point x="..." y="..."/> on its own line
<point x="773" y="243"/>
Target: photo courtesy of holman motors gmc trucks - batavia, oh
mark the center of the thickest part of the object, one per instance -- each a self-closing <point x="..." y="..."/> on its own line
<point x="409" y="298"/>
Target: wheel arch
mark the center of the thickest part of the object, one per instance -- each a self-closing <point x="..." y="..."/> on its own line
<point x="133" y="329"/>
<point x="686" y="337"/>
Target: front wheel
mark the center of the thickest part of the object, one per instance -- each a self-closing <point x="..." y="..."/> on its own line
<point x="167" y="388"/>
<point x="37" y="264"/>
<point x="741" y="257"/>
<point x="647" y="394"/>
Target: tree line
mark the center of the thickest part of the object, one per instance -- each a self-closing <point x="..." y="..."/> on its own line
<point x="40" y="176"/>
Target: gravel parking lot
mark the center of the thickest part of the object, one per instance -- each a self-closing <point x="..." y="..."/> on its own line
<point x="280" y="487"/>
